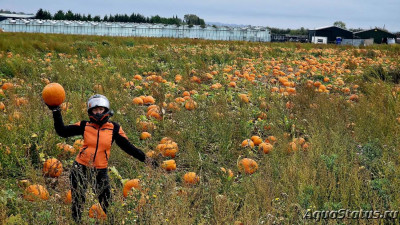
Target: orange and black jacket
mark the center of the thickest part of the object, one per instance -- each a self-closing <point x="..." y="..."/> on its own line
<point x="97" y="141"/>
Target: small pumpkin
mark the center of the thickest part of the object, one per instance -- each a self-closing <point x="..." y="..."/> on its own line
<point x="248" y="166"/>
<point x="190" y="104"/>
<point x="265" y="147"/>
<point x="21" y="101"/>
<point x="151" y="154"/>
<point x="7" y="86"/>
<point x="292" y="147"/>
<point x="67" y="149"/>
<point x="145" y="135"/>
<point x="248" y="143"/>
<point x="256" y="140"/>
<point x="68" y="197"/>
<point x="35" y="192"/>
<point x="134" y="183"/>
<point x="168" y="149"/>
<point x="306" y="146"/>
<point x="52" y="167"/>
<point x="137" y="101"/>
<point x="244" y="98"/>
<point x="137" y="77"/>
<point x="191" y="178"/>
<point x="97" y="212"/>
<point x="149" y="100"/>
<point x="53" y="94"/>
<point x="146" y="126"/>
<point x="169" y="165"/>
<point x="271" y="139"/>
<point x="78" y="144"/>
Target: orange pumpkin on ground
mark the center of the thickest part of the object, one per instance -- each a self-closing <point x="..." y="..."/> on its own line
<point x="256" y="140"/>
<point x="134" y="183"/>
<point x="137" y="101"/>
<point x="7" y="86"/>
<point x="97" y="212"/>
<point x="292" y="147"/>
<point x="151" y="154"/>
<point x="53" y="94"/>
<point x="78" y="144"/>
<point x="52" y="167"/>
<point x="271" y="139"/>
<point x="244" y="98"/>
<point x="145" y="135"/>
<point x="149" y="100"/>
<point x="191" y="178"/>
<point x="35" y="192"/>
<point x="265" y="147"/>
<point x="248" y="143"/>
<point x="190" y="105"/>
<point x="248" y="166"/>
<point x="68" y="197"/>
<point x="169" y="165"/>
<point x="168" y="149"/>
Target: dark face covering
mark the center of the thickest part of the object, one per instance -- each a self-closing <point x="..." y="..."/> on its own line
<point x="100" y="118"/>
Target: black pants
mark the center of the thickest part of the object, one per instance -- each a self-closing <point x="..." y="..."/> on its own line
<point x="80" y="177"/>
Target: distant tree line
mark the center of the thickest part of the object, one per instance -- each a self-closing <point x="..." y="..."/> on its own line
<point x="189" y="19"/>
<point x="301" y="31"/>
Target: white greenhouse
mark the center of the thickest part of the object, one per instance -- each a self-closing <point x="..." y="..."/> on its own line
<point x="256" y="34"/>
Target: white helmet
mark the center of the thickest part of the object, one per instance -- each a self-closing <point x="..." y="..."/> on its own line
<point x="96" y="101"/>
<point x="99" y="101"/>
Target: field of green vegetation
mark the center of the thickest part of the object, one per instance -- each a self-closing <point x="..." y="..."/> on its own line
<point x="320" y="121"/>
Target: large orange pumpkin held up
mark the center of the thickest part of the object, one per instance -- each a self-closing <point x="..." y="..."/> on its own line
<point x="53" y="94"/>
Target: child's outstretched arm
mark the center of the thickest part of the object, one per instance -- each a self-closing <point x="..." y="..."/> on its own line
<point x="122" y="141"/>
<point x="69" y="130"/>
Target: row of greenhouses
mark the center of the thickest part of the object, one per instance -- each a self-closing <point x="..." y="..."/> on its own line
<point x="256" y="34"/>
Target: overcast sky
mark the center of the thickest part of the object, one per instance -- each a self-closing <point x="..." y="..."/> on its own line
<point x="273" y="13"/>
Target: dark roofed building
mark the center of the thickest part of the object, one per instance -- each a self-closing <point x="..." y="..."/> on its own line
<point x="377" y="34"/>
<point x="331" y="32"/>
<point x="4" y="16"/>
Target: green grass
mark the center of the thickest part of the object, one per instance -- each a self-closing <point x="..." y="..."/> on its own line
<point x="352" y="161"/>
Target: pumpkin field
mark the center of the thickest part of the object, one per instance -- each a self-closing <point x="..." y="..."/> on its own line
<point x="244" y="133"/>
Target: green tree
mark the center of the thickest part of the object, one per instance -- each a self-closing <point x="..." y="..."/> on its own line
<point x="43" y="15"/>
<point x="340" y="24"/>
<point x="193" y="19"/>
<point x="69" y="15"/>
<point x="96" y="18"/>
<point x="59" y="15"/>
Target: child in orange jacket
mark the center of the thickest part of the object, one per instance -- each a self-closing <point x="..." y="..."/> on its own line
<point x="92" y="160"/>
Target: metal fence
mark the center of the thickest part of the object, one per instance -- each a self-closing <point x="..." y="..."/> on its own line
<point x="256" y="34"/>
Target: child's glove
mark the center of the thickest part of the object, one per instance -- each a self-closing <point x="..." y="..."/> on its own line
<point x="153" y="163"/>
<point x="54" y="108"/>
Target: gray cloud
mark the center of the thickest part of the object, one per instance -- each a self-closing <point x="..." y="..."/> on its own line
<point x="282" y="14"/>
